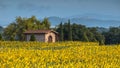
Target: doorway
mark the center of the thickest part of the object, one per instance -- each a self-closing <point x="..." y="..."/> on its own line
<point x="50" y="39"/>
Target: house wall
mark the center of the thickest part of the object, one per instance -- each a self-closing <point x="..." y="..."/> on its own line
<point x="38" y="37"/>
<point x="50" y="34"/>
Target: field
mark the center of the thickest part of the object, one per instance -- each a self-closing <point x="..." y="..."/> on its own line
<point x="58" y="55"/>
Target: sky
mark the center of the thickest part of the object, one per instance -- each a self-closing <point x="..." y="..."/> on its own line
<point x="10" y="9"/>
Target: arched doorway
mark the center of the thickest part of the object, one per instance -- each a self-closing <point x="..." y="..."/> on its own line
<point x="50" y="39"/>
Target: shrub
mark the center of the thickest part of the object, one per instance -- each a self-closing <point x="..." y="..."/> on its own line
<point x="32" y="38"/>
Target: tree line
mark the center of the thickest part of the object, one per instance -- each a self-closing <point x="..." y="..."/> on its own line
<point x="78" y="32"/>
<point x="67" y="31"/>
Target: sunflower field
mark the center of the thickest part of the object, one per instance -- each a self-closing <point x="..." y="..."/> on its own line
<point x="58" y="55"/>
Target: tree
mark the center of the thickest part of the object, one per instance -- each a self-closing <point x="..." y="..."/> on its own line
<point x="32" y="38"/>
<point x="97" y="35"/>
<point x="10" y="31"/>
<point x="75" y="32"/>
<point x="16" y="29"/>
<point x="84" y="38"/>
<point x="0" y="37"/>
<point x="46" y="23"/>
<point x="112" y="36"/>
<point x="91" y="36"/>
<point x="79" y="32"/>
<point x="61" y="32"/>
<point x="70" y="31"/>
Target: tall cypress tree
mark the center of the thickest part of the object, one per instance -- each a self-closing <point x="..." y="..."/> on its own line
<point x="70" y="31"/>
<point x="61" y="32"/>
<point x="0" y="37"/>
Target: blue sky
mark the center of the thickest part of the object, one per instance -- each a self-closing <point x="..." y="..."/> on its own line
<point x="10" y="9"/>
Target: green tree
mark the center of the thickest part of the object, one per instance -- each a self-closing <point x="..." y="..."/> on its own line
<point x="70" y="31"/>
<point x="97" y="35"/>
<point x="79" y="32"/>
<point x="91" y="36"/>
<point x="32" y="38"/>
<point x="46" y="23"/>
<point x="16" y="29"/>
<point x="61" y="32"/>
<point x="0" y="37"/>
<point x="75" y="32"/>
<point x="10" y="31"/>
<point x="112" y="36"/>
<point x="65" y="31"/>
<point x="84" y="37"/>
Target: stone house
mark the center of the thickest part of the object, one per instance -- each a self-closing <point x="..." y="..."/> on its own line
<point x="42" y="35"/>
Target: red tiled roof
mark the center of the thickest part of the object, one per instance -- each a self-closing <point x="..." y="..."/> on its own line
<point x="38" y="31"/>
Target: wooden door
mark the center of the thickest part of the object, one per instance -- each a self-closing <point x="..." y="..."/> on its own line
<point x="50" y="39"/>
